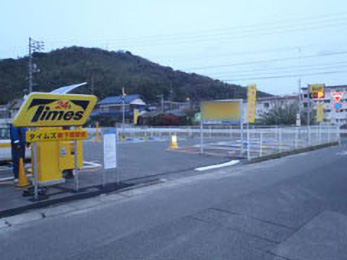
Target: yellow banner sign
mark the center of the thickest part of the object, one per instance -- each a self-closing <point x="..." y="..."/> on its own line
<point x="45" y="135"/>
<point x="320" y="112"/>
<point x="252" y="101"/>
<point x="44" y="109"/>
<point x="317" y="91"/>
<point x="136" y="115"/>
<point x="222" y="110"/>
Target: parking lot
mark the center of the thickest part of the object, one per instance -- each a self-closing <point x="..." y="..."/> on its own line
<point x="138" y="162"/>
<point x="147" y="157"/>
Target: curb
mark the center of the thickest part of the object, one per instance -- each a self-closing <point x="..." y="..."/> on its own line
<point x="292" y="152"/>
<point x="111" y="188"/>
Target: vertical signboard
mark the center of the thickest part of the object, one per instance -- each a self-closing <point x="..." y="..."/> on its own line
<point x="252" y="101"/>
<point x="110" y="150"/>
<point x="136" y="116"/>
<point x="320" y="112"/>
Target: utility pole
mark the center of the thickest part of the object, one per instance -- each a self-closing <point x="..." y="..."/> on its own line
<point x="308" y="106"/>
<point x="30" y="68"/>
<point x="161" y="96"/>
<point x="299" y="86"/>
<point x="171" y="95"/>
<point x="123" y="97"/>
<point x="34" y="46"/>
<point x="92" y="83"/>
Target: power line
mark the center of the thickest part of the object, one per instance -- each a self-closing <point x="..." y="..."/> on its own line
<point x="250" y="31"/>
<point x="266" y="61"/>
<point x="224" y="38"/>
<point x="275" y="73"/>
<point x="297" y="22"/>
<point x="241" y="53"/>
<point x="286" y="68"/>
<point x="285" y="76"/>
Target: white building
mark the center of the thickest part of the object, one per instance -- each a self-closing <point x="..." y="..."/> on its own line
<point x="331" y="115"/>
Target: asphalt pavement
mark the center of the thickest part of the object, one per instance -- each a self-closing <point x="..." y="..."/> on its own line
<point x="289" y="208"/>
<point x="138" y="163"/>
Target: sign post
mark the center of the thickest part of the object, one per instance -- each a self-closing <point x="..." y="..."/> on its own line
<point x="315" y="91"/>
<point x="46" y="114"/>
<point x="110" y="154"/>
<point x="252" y="101"/>
<point x="36" y="179"/>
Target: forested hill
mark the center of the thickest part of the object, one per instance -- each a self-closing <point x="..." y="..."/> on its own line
<point x="107" y="72"/>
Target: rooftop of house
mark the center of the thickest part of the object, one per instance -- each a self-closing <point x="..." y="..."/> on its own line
<point x="128" y="99"/>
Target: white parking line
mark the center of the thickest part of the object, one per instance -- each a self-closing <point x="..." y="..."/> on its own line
<point x="205" y="168"/>
<point x="88" y="165"/>
<point x="5" y="168"/>
<point x="6" y="179"/>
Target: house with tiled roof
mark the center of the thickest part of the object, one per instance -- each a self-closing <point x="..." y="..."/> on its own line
<point x="113" y="106"/>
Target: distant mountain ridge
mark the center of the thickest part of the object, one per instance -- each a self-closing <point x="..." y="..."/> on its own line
<point x="107" y="72"/>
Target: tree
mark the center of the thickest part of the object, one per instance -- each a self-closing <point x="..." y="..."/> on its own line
<point x="284" y="115"/>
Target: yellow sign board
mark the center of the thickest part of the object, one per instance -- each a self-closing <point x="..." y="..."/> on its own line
<point x="320" y="112"/>
<point x="45" y="135"/>
<point x="44" y="109"/>
<point x="221" y="110"/>
<point x="252" y="101"/>
<point x="136" y="115"/>
<point x="317" y="91"/>
<point x="5" y="144"/>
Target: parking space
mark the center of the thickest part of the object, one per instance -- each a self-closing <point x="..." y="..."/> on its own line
<point x="150" y="158"/>
<point x="138" y="161"/>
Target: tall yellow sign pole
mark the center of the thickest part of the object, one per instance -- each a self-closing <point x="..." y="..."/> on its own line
<point x="252" y="101"/>
<point x="320" y="112"/>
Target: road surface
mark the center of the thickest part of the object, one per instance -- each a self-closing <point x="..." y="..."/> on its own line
<point x="289" y="208"/>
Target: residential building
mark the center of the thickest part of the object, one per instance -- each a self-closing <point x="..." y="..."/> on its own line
<point x="331" y="114"/>
<point x="265" y="104"/>
<point x="113" y="106"/>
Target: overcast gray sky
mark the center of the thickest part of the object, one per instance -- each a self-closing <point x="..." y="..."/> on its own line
<point x="270" y="43"/>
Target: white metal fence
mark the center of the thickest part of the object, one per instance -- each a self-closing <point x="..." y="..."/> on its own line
<point x="262" y="142"/>
<point x="254" y="142"/>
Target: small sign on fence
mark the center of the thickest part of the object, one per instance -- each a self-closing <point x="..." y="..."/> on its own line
<point x="110" y="150"/>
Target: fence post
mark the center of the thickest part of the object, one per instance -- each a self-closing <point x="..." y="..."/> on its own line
<point x="248" y="144"/>
<point x="296" y="138"/>
<point x="261" y="144"/>
<point x="279" y="139"/>
<point x="338" y="138"/>
<point x="328" y="134"/>
<point x="308" y="136"/>
<point x="201" y="137"/>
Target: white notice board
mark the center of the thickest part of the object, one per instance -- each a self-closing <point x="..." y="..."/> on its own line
<point x="110" y="150"/>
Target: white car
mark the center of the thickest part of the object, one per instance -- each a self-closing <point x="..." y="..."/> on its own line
<point x="5" y="145"/>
